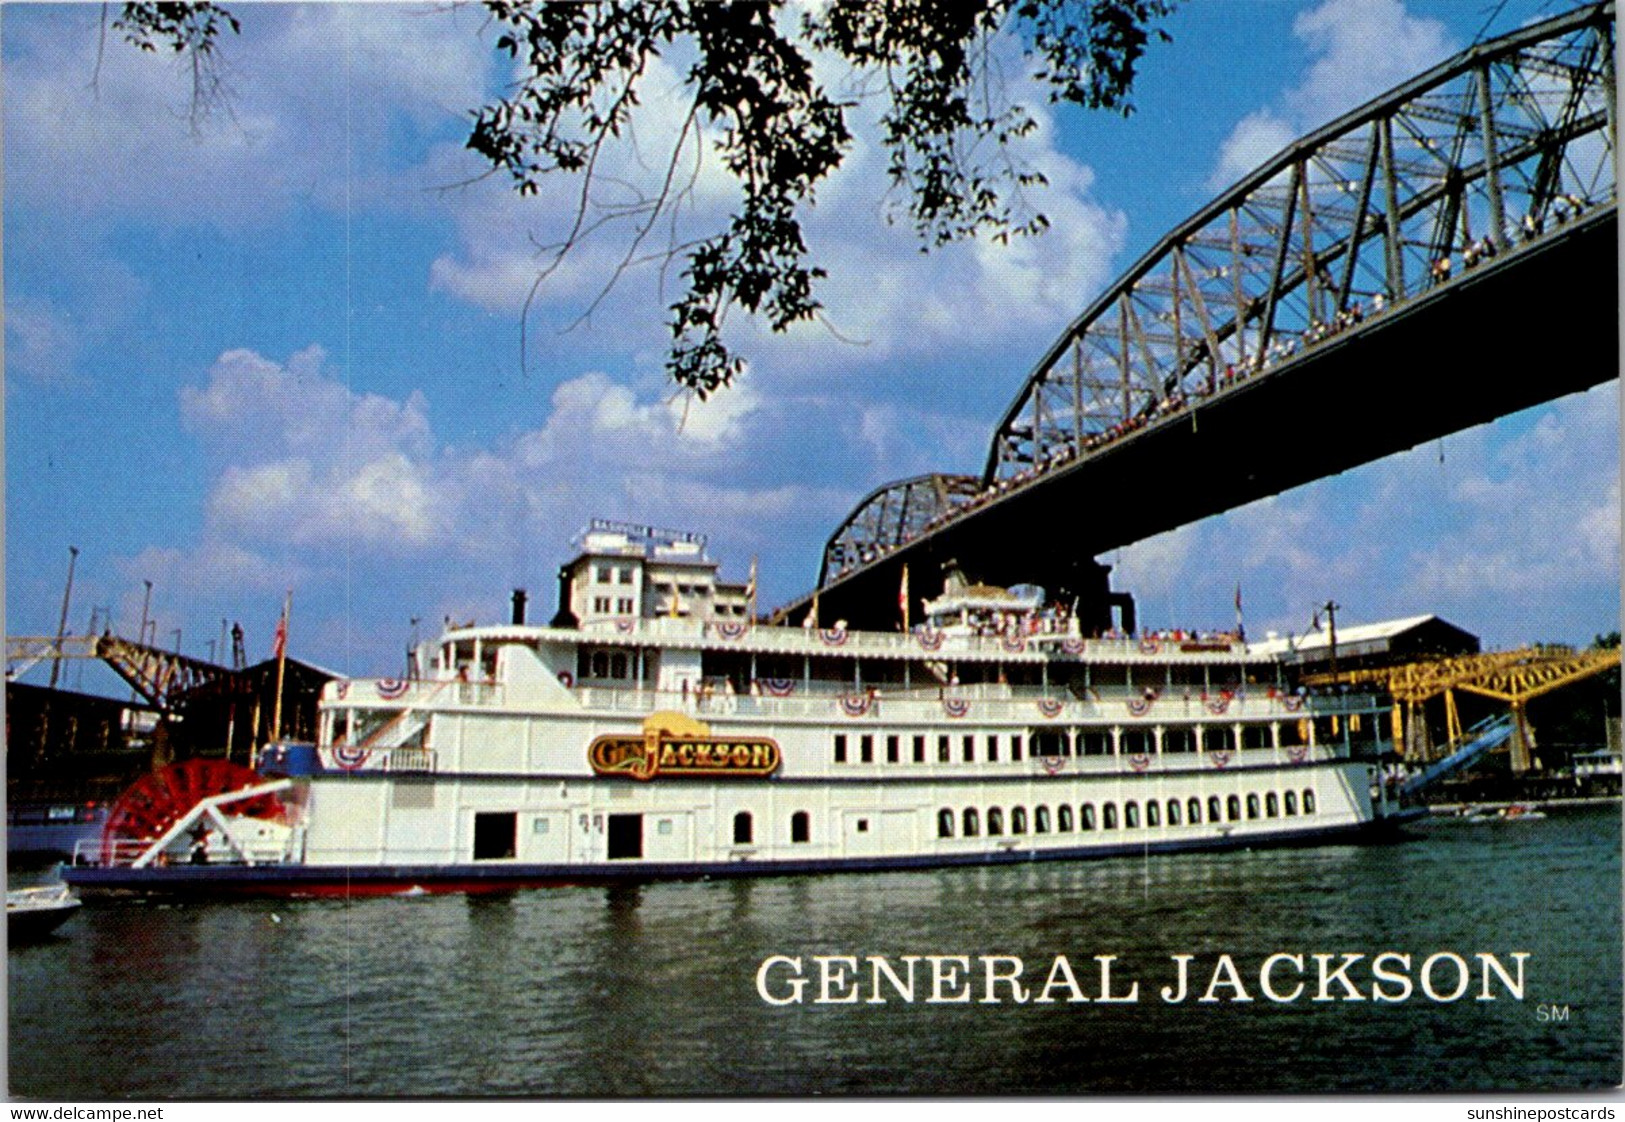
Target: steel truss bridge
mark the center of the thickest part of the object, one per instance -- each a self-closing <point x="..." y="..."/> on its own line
<point x="1440" y="257"/>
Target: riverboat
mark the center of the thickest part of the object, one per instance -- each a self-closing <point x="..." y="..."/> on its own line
<point x="657" y="729"/>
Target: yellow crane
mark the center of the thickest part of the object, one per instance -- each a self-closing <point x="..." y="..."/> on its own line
<point x="1514" y="677"/>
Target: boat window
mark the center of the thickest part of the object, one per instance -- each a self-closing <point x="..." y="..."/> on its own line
<point x="1178" y="740"/>
<point x="1213" y="814"/>
<point x="1308" y="802"/>
<point x="993" y="749"/>
<point x="1193" y="811"/>
<point x="1291" y="802"/>
<point x="1272" y="806"/>
<point x="1252" y="806"/>
<point x="840" y="747"/>
<point x="973" y="823"/>
<point x="1232" y="807"/>
<point x="866" y="749"/>
<point x="1018" y="820"/>
<point x="970" y="749"/>
<point x="1041" y="820"/>
<point x="1131" y="815"/>
<point x="995" y="822"/>
<point x="626" y="576"/>
<point x="1063" y="819"/>
<point x="1216" y="739"/>
<point x="494" y="835"/>
<point x="617" y="664"/>
<point x="1292" y="734"/>
<point x="919" y="749"/>
<point x="1137" y="742"/>
<point x="600" y="665"/>
<point x="945" y="823"/>
<point x="892" y="752"/>
<point x="1255" y="736"/>
<point x="1015" y="748"/>
<point x="1108" y="816"/>
<point x="742" y="831"/>
<point x="1153" y="813"/>
<point x="1049" y="742"/>
<point x="1173" y="812"/>
<point x="863" y="825"/>
<point x="603" y="574"/>
<point x="800" y="826"/>
<point x="943" y="751"/>
<point x="1095" y="743"/>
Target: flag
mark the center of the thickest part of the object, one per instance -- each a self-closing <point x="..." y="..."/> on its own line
<point x="902" y="596"/>
<point x="750" y="592"/>
<point x="1241" y="632"/>
<point x="279" y="643"/>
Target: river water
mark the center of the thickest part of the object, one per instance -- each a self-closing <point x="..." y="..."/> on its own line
<point x="652" y="990"/>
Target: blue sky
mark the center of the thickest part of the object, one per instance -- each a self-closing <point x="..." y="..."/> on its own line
<point x="278" y="347"/>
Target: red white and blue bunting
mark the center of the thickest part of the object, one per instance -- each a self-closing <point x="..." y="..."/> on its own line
<point x="778" y="687"/>
<point x="1051" y="706"/>
<point x="1139" y="762"/>
<point x="832" y="636"/>
<point x="1014" y="643"/>
<point x="1217" y="705"/>
<point x="928" y="639"/>
<point x="1148" y="646"/>
<point x="856" y="704"/>
<point x="1298" y="753"/>
<point x="391" y="688"/>
<point x="1293" y="704"/>
<point x="1053" y="765"/>
<point x="731" y="629"/>
<point x="1071" y="646"/>
<point x="955" y="707"/>
<point x="1219" y="759"/>
<point x="349" y="757"/>
<point x="343" y="690"/>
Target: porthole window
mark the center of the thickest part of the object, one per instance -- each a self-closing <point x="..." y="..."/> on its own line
<point x="1214" y="814"/>
<point x="1193" y="811"/>
<point x="1131" y="815"/>
<point x="1232" y="807"/>
<point x="1153" y="813"/>
<point x="1086" y="816"/>
<point x="1173" y="812"/>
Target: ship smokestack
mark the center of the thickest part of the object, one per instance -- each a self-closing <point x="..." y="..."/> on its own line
<point x="519" y="606"/>
<point x="565" y="617"/>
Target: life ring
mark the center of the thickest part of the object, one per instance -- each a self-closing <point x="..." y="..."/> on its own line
<point x="566" y="679"/>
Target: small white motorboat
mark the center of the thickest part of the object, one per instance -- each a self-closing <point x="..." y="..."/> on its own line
<point x="32" y="913"/>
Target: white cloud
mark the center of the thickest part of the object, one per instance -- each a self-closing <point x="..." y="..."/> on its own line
<point x="1364" y="48"/>
<point x="1361" y="49"/>
<point x="1256" y="138"/>
<point x="41" y="342"/>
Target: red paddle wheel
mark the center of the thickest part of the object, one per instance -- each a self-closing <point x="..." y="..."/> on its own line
<point x="159" y="799"/>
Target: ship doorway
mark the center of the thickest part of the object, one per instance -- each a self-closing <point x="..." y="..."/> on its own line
<point x="625" y="836"/>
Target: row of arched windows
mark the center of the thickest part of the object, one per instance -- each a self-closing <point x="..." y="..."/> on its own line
<point x="968" y="822"/>
<point x="745" y="829"/>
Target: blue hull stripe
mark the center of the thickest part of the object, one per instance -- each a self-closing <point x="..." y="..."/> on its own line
<point x="289" y="878"/>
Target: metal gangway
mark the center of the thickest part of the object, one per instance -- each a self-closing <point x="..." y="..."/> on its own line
<point x="1488" y="734"/>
